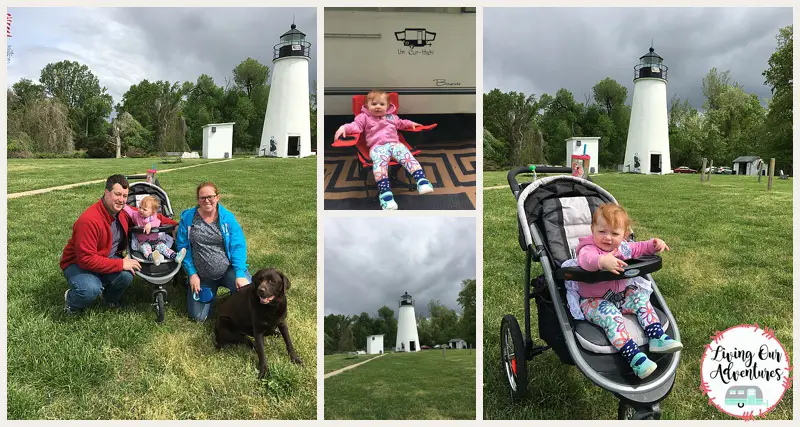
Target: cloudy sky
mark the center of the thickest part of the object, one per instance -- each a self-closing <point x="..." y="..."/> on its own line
<point x="371" y="262"/>
<point x="123" y="46"/>
<point x="541" y="50"/>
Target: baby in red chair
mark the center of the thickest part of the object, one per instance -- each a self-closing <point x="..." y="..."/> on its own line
<point x="378" y="120"/>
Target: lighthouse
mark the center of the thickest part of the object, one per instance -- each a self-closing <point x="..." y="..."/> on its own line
<point x="647" y="149"/>
<point x="287" y="124"/>
<point x="407" y="338"/>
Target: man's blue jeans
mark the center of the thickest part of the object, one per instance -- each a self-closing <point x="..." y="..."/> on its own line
<point x="198" y="310"/>
<point x="85" y="286"/>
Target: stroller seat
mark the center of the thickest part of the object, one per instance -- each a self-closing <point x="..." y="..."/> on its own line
<point x="592" y="337"/>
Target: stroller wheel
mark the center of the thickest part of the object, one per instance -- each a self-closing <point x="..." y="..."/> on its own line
<point x="513" y="357"/>
<point x="626" y="411"/>
<point x="159" y="307"/>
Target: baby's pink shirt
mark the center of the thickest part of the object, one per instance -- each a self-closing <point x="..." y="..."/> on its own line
<point x="589" y="259"/>
<point x="379" y="130"/>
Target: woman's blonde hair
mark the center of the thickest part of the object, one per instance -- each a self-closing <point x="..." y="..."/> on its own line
<point x="614" y="215"/>
<point x="150" y="201"/>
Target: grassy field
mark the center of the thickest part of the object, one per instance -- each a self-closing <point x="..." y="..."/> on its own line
<point x="121" y="364"/>
<point x="417" y="386"/>
<point x="334" y="362"/>
<point x="25" y="174"/>
<point x="730" y="263"/>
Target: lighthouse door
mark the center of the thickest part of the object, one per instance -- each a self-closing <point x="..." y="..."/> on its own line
<point x="655" y="163"/>
<point x="293" y="148"/>
<point x="413" y="345"/>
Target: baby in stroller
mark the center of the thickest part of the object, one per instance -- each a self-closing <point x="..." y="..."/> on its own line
<point x="604" y="303"/>
<point x="154" y="246"/>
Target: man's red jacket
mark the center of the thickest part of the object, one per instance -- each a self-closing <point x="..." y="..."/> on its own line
<point x="90" y="244"/>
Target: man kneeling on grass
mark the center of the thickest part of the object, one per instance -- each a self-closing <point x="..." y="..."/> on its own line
<point x="92" y="260"/>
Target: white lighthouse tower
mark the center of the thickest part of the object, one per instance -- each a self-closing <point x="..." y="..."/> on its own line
<point x="647" y="150"/>
<point x="407" y="338"/>
<point x="287" y="124"/>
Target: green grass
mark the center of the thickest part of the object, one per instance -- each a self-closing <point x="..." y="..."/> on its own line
<point x="121" y="364"/>
<point x="730" y="263"/>
<point x="334" y="362"/>
<point x="33" y="174"/>
<point x="416" y="386"/>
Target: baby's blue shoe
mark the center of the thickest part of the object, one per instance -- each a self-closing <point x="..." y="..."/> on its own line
<point x="387" y="201"/>
<point x="665" y="344"/>
<point x="424" y="186"/>
<point x="643" y="368"/>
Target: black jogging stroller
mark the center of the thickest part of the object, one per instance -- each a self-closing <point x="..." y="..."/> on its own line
<point x="552" y="213"/>
<point x="157" y="275"/>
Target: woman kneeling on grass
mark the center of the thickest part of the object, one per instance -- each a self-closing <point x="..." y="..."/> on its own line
<point x="216" y="251"/>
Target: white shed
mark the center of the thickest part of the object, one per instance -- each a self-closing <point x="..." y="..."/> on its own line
<point x="747" y="165"/>
<point x="584" y="146"/>
<point x="457" y="343"/>
<point x="218" y="141"/>
<point x="375" y="344"/>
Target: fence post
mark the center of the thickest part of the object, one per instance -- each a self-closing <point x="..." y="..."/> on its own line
<point x="710" y="166"/>
<point x="443" y="347"/>
<point x="760" y="168"/>
<point x="703" y="170"/>
<point x="771" y="173"/>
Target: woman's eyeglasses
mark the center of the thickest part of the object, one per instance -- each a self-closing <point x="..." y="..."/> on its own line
<point x="206" y="198"/>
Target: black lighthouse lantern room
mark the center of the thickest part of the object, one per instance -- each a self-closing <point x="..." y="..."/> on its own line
<point x="651" y="65"/>
<point x="406" y="300"/>
<point x="293" y="43"/>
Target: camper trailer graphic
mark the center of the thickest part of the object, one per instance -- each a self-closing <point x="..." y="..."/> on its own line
<point x="744" y="395"/>
<point x="415" y="37"/>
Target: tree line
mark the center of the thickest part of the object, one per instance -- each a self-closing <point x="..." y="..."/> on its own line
<point x="349" y="333"/>
<point x="524" y="129"/>
<point x="68" y="113"/>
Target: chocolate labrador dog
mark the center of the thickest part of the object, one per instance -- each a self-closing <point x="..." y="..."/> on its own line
<point x="256" y="310"/>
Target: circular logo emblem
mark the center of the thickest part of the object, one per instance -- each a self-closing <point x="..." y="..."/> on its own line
<point x="632" y="272"/>
<point x="745" y="371"/>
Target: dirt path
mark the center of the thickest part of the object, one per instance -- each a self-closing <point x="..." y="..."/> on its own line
<point x="332" y="373"/>
<point x="68" y="186"/>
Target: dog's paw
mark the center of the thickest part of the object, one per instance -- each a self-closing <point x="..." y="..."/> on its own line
<point x="297" y="360"/>
<point x="263" y="372"/>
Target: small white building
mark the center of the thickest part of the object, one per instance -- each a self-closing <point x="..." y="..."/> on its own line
<point x="218" y="141"/>
<point x="375" y="344"/>
<point x="747" y="165"/>
<point x="584" y="146"/>
<point x="457" y="343"/>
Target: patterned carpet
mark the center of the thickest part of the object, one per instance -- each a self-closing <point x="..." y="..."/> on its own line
<point x="450" y="166"/>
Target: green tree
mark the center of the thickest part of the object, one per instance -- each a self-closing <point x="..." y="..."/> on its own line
<point x="386" y="315"/>
<point x="609" y="94"/>
<point x="155" y="105"/>
<point x="466" y="299"/>
<point x="202" y="106"/>
<point x="777" y="133"/>
<point x="28" y="91"/>
<point x="250" y="74"/>
<point x="89" y="104"/>
<point x="510" y="117"/>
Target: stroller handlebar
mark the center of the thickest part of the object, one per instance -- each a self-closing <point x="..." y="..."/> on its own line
<point x="641" y="266"/>
<point x="159" y="229"/>
<point x="512" y="174"/>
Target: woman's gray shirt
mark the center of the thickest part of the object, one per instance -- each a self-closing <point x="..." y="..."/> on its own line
<point x="208" y="249"/>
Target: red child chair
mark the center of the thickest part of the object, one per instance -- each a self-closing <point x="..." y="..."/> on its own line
<point x="362" y="151"/>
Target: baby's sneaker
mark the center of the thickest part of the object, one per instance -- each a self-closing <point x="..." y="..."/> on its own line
<point x="157" y="258"/>
<point x="424" y="186"/>
<point x="387" y="201"/>
<point x="181" y="255"/>
<point x="665" y="344"/>
<point x="642" y="366"/>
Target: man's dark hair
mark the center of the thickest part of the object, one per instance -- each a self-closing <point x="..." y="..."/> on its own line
<point x="116" y="179"/>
